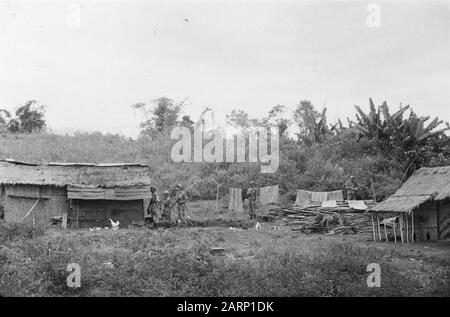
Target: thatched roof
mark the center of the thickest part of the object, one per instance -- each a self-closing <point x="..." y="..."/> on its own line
<point x="427" y="183"/>
<point x="62" y="174"/>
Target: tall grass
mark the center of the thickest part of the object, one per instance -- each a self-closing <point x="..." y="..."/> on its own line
<point x="153" y="267"/>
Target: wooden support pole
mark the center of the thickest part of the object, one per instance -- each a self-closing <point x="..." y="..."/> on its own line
<point x="412" y="225"/>
<point x="217" y="196"/>
<point x="373" y="230"/>
<point x="407" y="233"/>
<point x="385" y="231"/>
<point x="64" y="221"/>
<point x="395" y="234"/>
<point x="78" y="207"/>
<point x="379" y="230"/>
<point x="401" y="227"/>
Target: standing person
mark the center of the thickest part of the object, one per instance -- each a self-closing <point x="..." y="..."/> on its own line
<point x="252" y="192"/>
<point x="180" y="200"/>
<point x="166" y="206"/>
<point x="351" y="187"/>
<point x="153" y="206"/>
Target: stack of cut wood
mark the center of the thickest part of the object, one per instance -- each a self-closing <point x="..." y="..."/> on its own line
<point x="313" y="218"/>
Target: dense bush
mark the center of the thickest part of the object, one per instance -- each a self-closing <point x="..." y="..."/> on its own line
<point x="380" y="149"/>
<point x="324" y="166"/>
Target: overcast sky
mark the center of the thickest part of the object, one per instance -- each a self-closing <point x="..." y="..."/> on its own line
<point x="226" y="55"/>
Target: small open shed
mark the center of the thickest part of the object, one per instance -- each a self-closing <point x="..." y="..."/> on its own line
<point x="83" y="195"/>
<point x="421" y="207"/>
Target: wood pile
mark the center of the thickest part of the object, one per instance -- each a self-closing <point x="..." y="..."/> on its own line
<point x="313" y="218"/>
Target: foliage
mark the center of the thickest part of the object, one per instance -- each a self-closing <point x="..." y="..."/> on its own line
<point x="161" y="117"/>
<point x="312" y="125"/>
<point x="322" y="159"/>
<point x="28" y="118"/>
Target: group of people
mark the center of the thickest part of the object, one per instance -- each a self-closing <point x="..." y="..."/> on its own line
<point x="165" y="205"/>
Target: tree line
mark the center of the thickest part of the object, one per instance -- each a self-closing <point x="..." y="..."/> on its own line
<point x="379" y="145"/>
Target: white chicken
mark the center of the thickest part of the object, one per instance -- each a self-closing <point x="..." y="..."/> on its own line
<point x="114" y="224"/>
<point x="258" y="226"/>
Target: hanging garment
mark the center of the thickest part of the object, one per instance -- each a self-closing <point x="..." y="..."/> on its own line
<point x="303" y="197"/>
<point x="236" y="199"/>
<point x="335" y="195"/>
<point x="268" y="194"/>
<point x="329" y="204"/>
<point x="319" y="196"/>
<point x="357" y="204"/>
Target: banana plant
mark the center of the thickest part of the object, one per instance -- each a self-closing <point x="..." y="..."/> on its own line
<point x="370" y="124"/>
<point x="416" y="131"/>
<point x="313" y="125"/>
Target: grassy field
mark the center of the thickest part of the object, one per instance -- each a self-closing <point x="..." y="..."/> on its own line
<point x="177" y="261"/>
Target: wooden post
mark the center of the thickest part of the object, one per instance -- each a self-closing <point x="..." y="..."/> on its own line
<point x="379" y="230"/>
<point x="64" y="221"/>
<point x="395" y="234"/>
<point x="78" y="206"/>
<point x="217" y="196"/>
<point x="401" y="227"/>
<point x="385" y="231"/>
<point x="407" y="233"/>
<point x="412" y="225"/>
<point x="373" y="230"/>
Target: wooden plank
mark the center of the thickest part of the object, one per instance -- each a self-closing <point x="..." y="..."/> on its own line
<point x="64" y="221"/>
<point x="385" y="232"/>
<point x="29" y="211"/>
<point x="373" y="229"/>
<point x="379" y="230"/>
<point x="412" y="225"/>
<point x="407" y="233"/>
<point x="401" y="227"/>
<point x="395" y="234"/>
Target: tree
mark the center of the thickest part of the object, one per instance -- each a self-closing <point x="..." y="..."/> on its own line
<point x="28" y="118"/>
<point x="238" y="119"/>
<point x="276" y="116"/>
<point x="186" y="121"/>
<point x="370" y="124"/>
<point x="396" y="131"/>
<point x="5" y="116"/>
<point x="416" y="132"/>
<point x="161" y="115"/>
<point x="311" y="123"/>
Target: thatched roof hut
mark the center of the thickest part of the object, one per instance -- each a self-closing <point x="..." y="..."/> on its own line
<point x="92" y="193"/>
<point x="427" y="195"/>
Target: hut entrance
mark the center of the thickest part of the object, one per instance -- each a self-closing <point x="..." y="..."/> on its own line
<point x="444" y="222"/>
<point x="96" y="213"/>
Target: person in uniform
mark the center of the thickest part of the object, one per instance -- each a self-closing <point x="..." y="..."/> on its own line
<point x="180" y="200"/>
<point x="351" y="187"/>
<point x="152" y="210"/>
<point x="166" y="205"/>
<point x="252" y="192"/>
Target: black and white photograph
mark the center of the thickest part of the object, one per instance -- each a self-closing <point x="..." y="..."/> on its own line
<point x="224" y="155"/>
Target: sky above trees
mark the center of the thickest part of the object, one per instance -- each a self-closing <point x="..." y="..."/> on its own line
<point x="237" y="55"/>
